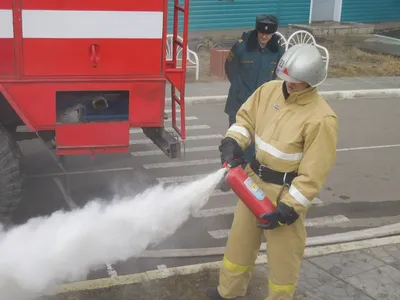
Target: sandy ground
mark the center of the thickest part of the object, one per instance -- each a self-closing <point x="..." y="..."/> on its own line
<point x="346" y="60"/>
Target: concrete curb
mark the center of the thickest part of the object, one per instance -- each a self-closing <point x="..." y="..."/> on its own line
<point x="387" y="38"/>
<point x="328" y="96"/>
<point x="192" y="269"/>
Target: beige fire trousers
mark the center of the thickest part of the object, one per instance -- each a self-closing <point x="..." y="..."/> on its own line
<point x="285" y="249"/>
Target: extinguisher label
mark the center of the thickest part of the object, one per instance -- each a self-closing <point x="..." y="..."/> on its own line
<point x="254" y="189"/>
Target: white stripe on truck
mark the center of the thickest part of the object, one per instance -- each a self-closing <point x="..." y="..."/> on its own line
<point x="73" y="24"/>
<point x="6" y="24"/>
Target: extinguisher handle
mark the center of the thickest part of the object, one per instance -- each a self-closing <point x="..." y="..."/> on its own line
<point x="229" y="165"/>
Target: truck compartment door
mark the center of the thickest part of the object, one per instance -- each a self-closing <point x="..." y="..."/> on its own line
<point x="92" y="138"/>
<point x="91" y="37"/>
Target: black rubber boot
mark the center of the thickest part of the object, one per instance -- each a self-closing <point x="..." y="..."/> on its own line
<point x="212" y="294"/>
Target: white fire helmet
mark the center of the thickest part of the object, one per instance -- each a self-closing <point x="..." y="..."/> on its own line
<point x="302" y="63"/>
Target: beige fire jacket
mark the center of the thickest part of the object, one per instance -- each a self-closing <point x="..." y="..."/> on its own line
<point x="298" y="134"/>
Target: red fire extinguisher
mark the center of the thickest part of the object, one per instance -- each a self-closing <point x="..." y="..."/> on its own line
<point x="249" y="192"/>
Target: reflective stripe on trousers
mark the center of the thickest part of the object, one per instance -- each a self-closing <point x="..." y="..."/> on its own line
<point x="281" y="288"/>
<point x="236" y="268"/>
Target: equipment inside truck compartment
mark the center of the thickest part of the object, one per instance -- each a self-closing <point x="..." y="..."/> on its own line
<point x="92" y="106"/>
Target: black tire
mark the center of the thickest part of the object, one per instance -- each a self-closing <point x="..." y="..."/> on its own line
<point x="11" y="179"/>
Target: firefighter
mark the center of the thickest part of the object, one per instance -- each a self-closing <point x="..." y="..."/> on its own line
<point x="295" y="132"/>
<point x="250" y="63"/>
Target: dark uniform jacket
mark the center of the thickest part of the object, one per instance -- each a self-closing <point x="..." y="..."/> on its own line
<point x="248" y="66"/>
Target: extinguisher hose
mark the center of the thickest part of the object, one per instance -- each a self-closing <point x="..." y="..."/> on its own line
<point x="278" y="199"/>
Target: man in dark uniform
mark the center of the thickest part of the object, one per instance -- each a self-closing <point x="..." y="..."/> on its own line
<point x="250" y="63"/>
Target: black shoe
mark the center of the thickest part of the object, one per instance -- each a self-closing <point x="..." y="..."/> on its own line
<point x="212" y="294"/>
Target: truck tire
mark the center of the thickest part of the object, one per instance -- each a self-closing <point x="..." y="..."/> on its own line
<point x="11" y="179"/>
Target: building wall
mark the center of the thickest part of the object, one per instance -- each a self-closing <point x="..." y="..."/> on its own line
<point x="370" y="10"/>
<point x="225" y="14"/>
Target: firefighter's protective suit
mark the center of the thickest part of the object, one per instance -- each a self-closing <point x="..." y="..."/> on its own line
<point x="296" y="135"/>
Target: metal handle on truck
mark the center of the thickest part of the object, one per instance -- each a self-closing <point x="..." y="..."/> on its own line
<point x="94" y="55"/>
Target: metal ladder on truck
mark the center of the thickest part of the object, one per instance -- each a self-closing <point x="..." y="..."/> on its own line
<point x="175" y="75"/>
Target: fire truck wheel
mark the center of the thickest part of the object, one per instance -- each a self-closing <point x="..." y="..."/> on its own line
<point x="11" y="179"/>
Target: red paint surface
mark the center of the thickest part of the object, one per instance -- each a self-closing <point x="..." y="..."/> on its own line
<point x="92" y="135"/>
<point x="7" y="62"/>
<point x="148" y="102"/>
<point x="116" y="5"/>
<point x="7" y="58"/>
<point x="5" y="4"/>
<point x="92" y="151"/>
<point x="74" y="57"/>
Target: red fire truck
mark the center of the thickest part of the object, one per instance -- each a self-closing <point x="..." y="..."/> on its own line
<point x="81" y="74"/>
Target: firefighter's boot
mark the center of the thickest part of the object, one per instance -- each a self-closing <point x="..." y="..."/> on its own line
<point x="212" y="294"/>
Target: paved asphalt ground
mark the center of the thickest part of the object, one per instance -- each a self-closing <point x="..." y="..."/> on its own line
<point x="361" y="192"/>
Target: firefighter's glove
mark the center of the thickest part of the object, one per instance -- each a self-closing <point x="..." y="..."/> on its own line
<point x="283" y="215"/>
<point x="231" y="152"/>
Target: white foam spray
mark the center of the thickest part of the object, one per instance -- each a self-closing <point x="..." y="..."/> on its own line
<point x="37" y="256"/>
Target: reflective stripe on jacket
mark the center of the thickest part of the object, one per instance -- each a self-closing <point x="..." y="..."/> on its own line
<point x="298" y="134"/>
